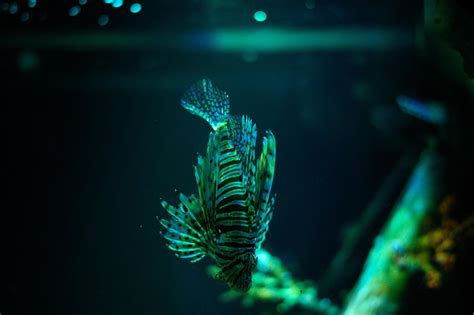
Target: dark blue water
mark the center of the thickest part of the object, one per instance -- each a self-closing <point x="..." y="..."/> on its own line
<point x="95" y="125"/>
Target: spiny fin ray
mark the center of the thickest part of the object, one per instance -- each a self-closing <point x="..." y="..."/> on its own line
<point x="264" y="181"/>
<point x="184" y="231"/>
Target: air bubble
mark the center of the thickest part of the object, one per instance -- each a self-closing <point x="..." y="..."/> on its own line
<point x="75" y="10"/>
<point x="135" y="7"/>
<point x="103" y="20"/>
<point x="260" y="16"/>
<point x="13" y="8"/>
<point x="117" y="3"/>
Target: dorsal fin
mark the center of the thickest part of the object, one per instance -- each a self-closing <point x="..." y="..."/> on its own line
<point x="244" y="135"/>
<point x="263" y="185"/>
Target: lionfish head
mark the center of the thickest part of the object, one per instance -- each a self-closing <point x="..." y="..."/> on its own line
<point x="239" y="274"/>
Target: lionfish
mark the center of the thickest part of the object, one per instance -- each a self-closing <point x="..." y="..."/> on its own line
<point x="229" y="218"/>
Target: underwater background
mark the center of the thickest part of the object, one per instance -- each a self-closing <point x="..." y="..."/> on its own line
<point x="95" y="136"/>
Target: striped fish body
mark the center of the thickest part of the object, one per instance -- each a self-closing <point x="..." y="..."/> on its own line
<point x="229" y="219"/>
<point x="234" y="220"/>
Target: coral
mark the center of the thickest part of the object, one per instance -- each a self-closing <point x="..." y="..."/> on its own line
<point x="436" y="250"/>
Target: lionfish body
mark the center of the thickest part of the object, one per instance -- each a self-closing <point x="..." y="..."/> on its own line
<point x="229" y="218"/>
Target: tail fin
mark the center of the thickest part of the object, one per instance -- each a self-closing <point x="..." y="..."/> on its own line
<point x="207" y="101"/>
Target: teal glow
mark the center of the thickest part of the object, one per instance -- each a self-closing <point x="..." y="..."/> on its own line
<point x="117" y="3"/>
<point x="135" y="7"/>
<point x="75" y="10"/>
<point x="28" y="61"/>
<point x="103" y="20"/>
<point x="82" y="2"/>
<point x="260" y="16"/>
<point x="281" y="39"/>
<point x="25" y="17"/>
<point x="13" y="8"/>
<point x="310" y="4"/>
<point x="32" y="3"/>
<point x="108" y="1"/>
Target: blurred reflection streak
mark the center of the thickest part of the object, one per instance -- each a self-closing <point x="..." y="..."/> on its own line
<point x="431" y="112"/>
<point x="269" y="40"/>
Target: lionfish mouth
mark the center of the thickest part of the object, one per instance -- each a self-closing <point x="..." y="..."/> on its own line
<point x="243" y="281"/>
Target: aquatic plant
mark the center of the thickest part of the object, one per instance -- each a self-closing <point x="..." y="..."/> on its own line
<point x="273" y="283"/>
